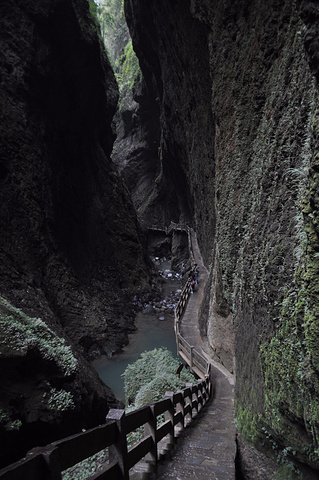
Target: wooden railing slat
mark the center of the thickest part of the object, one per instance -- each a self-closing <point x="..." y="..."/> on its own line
<point x="178" y="397"/>
<point x="139" y="450"/>
<point x="178" y="418"/>
<point x="33" y="467"/>
<point x="163" y="430"/>
<point x="137" y="418"/>
<point x="161" y="406"/>
<point x="187" y="409"/>
<point x="77" y="447"/>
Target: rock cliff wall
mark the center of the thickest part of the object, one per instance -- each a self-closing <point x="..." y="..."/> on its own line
<point x="71" y="252"/>
<point x="236" y="83"/>
<point x="136" y="154"/>
<point x="175" y="80"/>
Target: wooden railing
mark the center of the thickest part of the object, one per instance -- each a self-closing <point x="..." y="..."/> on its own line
<point x="197" y="363"/>
<point x="168" y="230"/>
<point x="181" y="305"/>
<point x="44" y="463"/>
<point x="194" y="359"/>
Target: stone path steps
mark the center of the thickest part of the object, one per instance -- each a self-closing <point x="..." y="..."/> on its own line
<point x="203" y="450"/>
<point x="206" y="450"/>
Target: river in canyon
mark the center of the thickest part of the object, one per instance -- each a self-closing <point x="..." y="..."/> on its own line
<point x="154" y="329"/>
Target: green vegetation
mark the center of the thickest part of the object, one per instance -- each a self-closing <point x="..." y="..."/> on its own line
<point x="22" y="336"/>
<point x="93" y="9"/>
<point x="291" y="360"/>
<point x="21" y="333"/>
<point x="128" y="68"/>
<point x="59" y="400"/>
<point x="287" y="472"/>
<point x="148" y="379"/>
<point x="118" y="44"/>
<point x="87" y="467"/>
<point x="106" y="13"/>
<point x="153" y="374"/>
<point x="247" y="422"/>
<point x="6" y="420"/>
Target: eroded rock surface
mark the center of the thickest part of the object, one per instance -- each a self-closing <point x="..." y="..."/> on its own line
<point x="237" y="88"/>
<point x="71" y="252"/>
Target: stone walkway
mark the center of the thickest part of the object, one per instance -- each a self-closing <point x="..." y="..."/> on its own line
<point x="206" y="449"/>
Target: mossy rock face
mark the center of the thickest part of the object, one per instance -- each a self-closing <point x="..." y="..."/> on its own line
<point x="265" y="150"/>
<point x="72" y="254"/>
<point x="268" y="269"/>
<point x="48" y="389"/>
<point x="290" y="359"/>
<point x="70" y="238"/>
<point x="256" y="216"/>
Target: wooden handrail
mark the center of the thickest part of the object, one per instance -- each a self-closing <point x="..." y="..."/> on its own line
<point x="197" y="363"/>
<point x="48" y="462"/>
<point x="179" y="227"/>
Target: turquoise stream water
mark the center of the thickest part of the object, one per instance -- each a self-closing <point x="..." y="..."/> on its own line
<point x="151" y="333"/>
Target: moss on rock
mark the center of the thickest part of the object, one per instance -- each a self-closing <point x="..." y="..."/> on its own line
<point x="21" y="333"/>
<point x="290" y="359"/>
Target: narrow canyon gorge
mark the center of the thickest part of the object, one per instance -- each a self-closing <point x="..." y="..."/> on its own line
<point x="220" y="133"/>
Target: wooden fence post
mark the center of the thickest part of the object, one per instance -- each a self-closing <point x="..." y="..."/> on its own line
<point x="190" y="398"/>
<point x="170" y="416"/>
<point x="207" y="387"/>
<point x="118" y="451"/>
<point x="189" y="386"/>
<point x="51" y="458"/>
<point x="200" y="396"/>
<point x="195" y="394"/>
<point x="177" y="333"/>
<point x="204" y="392"/>
<point x="180" y="407"/>
<point x="150" y="429"/>
<point x="191" y="357"/>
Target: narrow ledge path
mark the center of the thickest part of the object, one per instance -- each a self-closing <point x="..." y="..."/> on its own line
<point x="206" y="450"/>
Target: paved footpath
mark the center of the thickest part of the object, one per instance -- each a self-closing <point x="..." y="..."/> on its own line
<point x="206" y="449"/>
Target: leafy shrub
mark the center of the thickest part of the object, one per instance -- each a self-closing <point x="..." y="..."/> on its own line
<point x="154" y="373"/>
<point x="60" y="400"/>
<point x="148" y="379"/>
